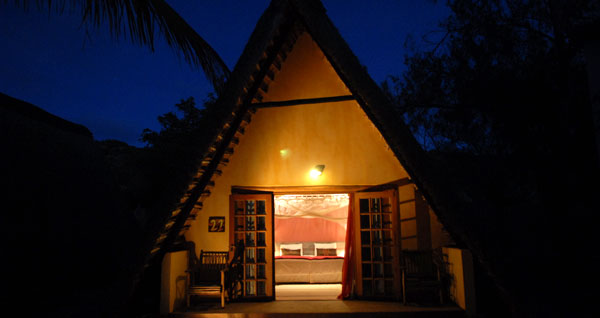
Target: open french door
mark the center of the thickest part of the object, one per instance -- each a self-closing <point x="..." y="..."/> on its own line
<point x="251" y="218"/>
<point x="377" y="244"/>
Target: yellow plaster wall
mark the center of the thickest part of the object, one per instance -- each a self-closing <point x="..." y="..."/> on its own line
<point x="282" y="144"/>
<point x="462" y="289"/>
<point x="455" y="268"/>
<point x="173" y="278"/>
<point x="338" y="135"/>
<point x="437" y="231"/>
<point x="432" y="230"/>
<point x="408" y="220"/>
<point x="306" y="73"/>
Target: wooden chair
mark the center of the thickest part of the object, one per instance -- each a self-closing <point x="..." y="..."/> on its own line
<point x="421" y="273"/>
<point x="207" y="276"/>
<point x="235" y="273"/>
<point x="211" y="274"/>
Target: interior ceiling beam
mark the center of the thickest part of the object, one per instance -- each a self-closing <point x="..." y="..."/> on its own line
<point x="304" y="101"/>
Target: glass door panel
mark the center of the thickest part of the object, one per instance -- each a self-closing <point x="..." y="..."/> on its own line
<point x="252" y="216"/>
<point x="376" y="244"/>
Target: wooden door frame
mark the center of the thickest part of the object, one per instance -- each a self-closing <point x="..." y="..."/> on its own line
<point x="355" y="190"/>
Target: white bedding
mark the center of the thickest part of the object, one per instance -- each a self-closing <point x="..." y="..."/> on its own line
<point x="313" y="270"/>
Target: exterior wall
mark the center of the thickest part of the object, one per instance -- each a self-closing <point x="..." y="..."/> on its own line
<point x="173" y="281"/>
<point x="423" y="222"/>
<point x="306" y="73"/>
<point x="280" y="147"/>
<point x="439" y="236"/>
<point x="462" y="289"/>
<point x="420" y="229"/>
<point x="408" y="217"/>
<point x="437" y="231"/>
<point x="282" y="144"/>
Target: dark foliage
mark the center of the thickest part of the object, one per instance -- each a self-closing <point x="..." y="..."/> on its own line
<point x="161" y="170"/>
<point x="503" y="102"/>
<point x="80" y="216"/>
<point x="182" y="138"/>
<point x="152" y="179"/>
<point x="500" y="76"/>
<point x="71" y="246"/>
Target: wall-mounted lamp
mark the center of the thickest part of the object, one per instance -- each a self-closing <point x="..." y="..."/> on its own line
<point x="317" y="171"/>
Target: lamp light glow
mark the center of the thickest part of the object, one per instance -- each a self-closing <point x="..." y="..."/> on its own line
<point x="317" y="171"/>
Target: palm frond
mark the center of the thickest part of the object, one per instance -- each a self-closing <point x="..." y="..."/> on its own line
<point x="140" y="19"/>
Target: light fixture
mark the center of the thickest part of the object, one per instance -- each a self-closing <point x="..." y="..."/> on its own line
<point x="317" y="171"/>
<point x="284" y="153"/>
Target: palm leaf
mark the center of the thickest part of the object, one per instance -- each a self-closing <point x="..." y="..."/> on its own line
<point x="140" y="19"/>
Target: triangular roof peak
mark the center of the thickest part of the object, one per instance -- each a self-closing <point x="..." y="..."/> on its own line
<point x="275" y="34"/>
<point x="306" y="74"/>
<point x="274" y="37"/>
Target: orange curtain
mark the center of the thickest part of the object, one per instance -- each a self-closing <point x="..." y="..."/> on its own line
<point x="347" y="269"/>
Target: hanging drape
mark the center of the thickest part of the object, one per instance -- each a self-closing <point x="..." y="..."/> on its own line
<point x="311" y="218"/>
<point x="347" y="268"/>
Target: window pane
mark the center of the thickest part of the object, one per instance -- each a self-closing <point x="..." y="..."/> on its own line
<point x="364" y="205"/>
<point x="261" y="207"/>
<point x="251" y="288"/>
<point x="250" y="207"/>
<point x="366" y="270"/>
<point x="364" y="222"/>
<point x="261" y="288"/>
<point x="366" y="253"/>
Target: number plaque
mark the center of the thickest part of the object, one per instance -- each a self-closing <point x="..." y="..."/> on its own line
<point x="216" y="224"/>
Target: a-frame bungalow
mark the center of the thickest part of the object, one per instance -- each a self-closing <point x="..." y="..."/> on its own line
<point x="310" y="164"/>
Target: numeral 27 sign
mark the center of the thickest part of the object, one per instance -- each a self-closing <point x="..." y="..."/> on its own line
<point x="216" y="224"/>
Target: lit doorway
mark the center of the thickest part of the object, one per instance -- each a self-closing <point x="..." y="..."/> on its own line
<point x="309" y="245"/>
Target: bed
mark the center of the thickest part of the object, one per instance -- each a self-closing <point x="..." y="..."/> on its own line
<point x="296" y="265"/>
<point x="308" y="269"/>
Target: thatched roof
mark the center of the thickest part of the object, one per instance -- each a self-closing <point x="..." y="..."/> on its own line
<point x="479" y="201"/>
<point x="269" y="44"/>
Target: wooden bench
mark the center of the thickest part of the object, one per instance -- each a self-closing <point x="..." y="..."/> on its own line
<point x="207" y="276"/>
<point x="420" y="273"/>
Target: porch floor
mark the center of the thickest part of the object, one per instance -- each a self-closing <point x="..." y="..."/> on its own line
<point x="318" y="308"/>
<point x="307" y="291"/>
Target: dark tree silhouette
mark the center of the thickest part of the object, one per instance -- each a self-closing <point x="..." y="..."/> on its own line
<point x="183" y="132"/>
<point x="500" y="68"/>
<point x="506" y="89"/>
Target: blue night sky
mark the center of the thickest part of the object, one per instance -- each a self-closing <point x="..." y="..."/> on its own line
<point x="117" y="89"/>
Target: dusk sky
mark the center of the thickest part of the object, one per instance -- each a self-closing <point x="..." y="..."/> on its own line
<point x="117" y="89"/>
